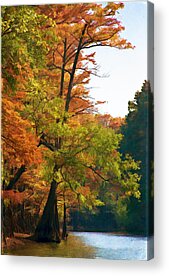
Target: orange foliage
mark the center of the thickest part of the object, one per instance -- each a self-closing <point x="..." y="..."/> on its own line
<point x="13" y="196"/>
<point x="108" y="121"/>
<point x="18" y="141"/>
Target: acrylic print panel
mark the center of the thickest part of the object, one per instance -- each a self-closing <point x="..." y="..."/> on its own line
<point x="77" y="139"/>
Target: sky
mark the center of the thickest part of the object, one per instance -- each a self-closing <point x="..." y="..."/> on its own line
<point x="126" y="69"/>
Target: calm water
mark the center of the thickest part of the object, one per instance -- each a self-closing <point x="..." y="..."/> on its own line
<point x="89" y="245"/>
<point x="110" y="246"/>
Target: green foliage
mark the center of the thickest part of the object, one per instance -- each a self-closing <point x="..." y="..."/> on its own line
<point x="23" y="45"/>
<point x="138" y="142"/>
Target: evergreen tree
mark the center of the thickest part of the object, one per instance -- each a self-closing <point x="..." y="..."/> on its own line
<point x="138" y="142"/>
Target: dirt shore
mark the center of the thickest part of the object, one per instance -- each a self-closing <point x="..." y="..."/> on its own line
<point x="15" y="242"/>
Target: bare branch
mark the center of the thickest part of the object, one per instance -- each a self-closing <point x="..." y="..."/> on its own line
<point x="92" y="73"/>
<point x="58" y="67"/>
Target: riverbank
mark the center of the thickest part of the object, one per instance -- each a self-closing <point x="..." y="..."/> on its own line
<point x="90" y="245"/>
<point x="73" y="247"/>
<point x="18" y="241"/>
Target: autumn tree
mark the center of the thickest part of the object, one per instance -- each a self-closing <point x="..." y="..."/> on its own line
<point x="44" y="81"/>
<point x="23" y="49"/>
<point x="108" y="121"/>
<point x="91" y="25"/>
<point x="21" y="41"/>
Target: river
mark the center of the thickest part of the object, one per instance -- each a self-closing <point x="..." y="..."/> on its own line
<point x="89" y="245"/>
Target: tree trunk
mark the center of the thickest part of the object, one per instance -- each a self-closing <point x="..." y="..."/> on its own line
<point x="64" y="230"/>
<point x="48" y="226"/>
<point x="7" y="221"/>
<point x="57" y="216"/>
<point x="16" y="177"/>
<point x="70" y="86"/>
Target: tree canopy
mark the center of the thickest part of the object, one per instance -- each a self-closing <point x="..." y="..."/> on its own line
<point x="59" y="154"/>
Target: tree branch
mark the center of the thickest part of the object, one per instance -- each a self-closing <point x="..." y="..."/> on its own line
<point x="95" y="171"/>
<point x="58" y="67"/>
<point x="7" y="31"/>
<point x="92" y="73"/>
<point x="46" y="144"/>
